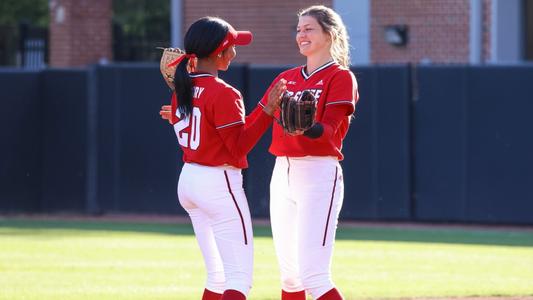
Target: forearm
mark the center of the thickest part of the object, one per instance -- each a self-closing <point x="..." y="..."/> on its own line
<point x="240" y="140"/>
<point x="331" y="121"/>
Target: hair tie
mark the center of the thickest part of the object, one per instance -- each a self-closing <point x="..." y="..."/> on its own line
<point x="179" y="59"/>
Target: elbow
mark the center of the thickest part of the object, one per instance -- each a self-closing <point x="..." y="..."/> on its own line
<point x="316" y="131"/>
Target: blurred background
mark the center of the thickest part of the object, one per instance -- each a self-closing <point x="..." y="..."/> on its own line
<point x="442" y="133"/>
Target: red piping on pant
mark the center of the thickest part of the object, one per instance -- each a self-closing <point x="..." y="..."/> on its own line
<point x="238" y="209"/>
<point x="330" y="206"/>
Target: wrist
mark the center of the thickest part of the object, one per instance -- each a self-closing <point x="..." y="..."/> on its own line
<point x="269" y="110"/>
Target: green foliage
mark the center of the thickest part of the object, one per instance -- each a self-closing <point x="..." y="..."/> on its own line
<point x="35" y="12"/>
<point x="139" y="27"/>
<point x="143" y="18"/>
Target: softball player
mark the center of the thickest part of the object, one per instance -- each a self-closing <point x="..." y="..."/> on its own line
<point x="210" y="124"/>
<point x="306" y="189"/>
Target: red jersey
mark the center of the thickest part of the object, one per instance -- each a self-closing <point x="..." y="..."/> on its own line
<point x="335" y="88"/>
<point x="217" y="132"/>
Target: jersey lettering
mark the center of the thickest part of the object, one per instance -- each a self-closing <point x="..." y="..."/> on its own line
<point x="184" y="138"/>
<point x="315" y="92"/>
<point x="197" y="91"/>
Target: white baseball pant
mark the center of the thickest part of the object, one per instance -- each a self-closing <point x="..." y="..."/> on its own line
<point x="215" y="201"/>
<point x="306" y="197"/>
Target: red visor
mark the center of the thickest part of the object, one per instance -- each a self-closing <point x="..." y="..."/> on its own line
<point x="234" y="37"/>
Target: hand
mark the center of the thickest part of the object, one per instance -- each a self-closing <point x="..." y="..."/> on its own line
<point x="274" y="96"/>
<point x="166" y="113"/>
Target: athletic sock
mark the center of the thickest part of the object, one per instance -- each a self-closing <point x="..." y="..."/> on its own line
<point x="292" y="296"/>
<point x="233" y="295"/>
<point x="332" y="294"/>
<point x="209" y="295"/>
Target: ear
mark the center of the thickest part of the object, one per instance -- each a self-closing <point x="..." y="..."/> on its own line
<point x="224" y="54"/>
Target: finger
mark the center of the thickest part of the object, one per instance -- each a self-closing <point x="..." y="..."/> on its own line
<point x="166" y="107"/>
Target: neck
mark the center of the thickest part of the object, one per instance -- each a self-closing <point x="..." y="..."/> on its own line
<point x="317" y="60"/>
<point x="207" y="66"/>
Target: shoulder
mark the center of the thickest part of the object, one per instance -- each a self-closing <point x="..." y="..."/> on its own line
<point x="290" y="72"/>
<point x="226" y="90"/>
<point x="344" y="75"/>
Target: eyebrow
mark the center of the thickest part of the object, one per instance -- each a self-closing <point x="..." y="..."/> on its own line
<point x="304" y="25"/>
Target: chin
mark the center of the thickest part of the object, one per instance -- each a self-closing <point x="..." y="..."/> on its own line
<point x="304" y="52"/>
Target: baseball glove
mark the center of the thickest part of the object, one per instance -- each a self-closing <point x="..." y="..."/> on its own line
<point x="169" y="55"/>
<point x="298" y="114"/>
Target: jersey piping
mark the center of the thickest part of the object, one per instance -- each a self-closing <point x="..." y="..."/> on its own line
<point x="324" y="66"/>
<point x="230" y="124"/>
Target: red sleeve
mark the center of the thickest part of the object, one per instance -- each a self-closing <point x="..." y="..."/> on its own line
<point x="228" y="109"/>
<point x="258" y="110"/>
<point x="174" y="109"/>
<point x="340" y="103"/>
<point x="264" y="100"/>
<point x="332" y="120"/>
<point x="342" y="90"/>
<point x="240" y="136"/>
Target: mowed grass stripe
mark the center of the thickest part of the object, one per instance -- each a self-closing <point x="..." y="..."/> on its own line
<point x="55" y="259"/>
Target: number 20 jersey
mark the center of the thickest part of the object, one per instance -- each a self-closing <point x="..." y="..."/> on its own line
<point x="216" y="106"/>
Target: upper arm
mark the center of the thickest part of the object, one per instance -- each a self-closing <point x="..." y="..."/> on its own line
<point x="228" y="109"/>
<point x="343" y="90"/>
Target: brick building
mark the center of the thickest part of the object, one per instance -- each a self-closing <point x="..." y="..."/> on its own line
<point x="381" y="31"/>
<point x="80" y="32"/>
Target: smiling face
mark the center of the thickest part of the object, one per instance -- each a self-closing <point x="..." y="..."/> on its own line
<point x="311" y="38"/>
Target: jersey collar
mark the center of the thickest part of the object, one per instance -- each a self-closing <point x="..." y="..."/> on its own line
<point x="324" y="66"/>
<point x="196" y="75"/>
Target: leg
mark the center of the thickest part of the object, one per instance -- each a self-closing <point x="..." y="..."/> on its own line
<point x="209" y="295"/>
<point x="283" y="222"/>
<point x="222" y="201"/>
<point x="319" y="191"/>
<point x="215" y="282"/>
<point x="332" y="294"/>
<point x="232" y="229"/>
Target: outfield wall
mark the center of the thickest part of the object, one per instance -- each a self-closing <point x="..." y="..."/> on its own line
<point x="429" y="143"/>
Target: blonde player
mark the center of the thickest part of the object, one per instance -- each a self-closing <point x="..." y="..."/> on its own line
<point x="210" y="124"/>
<point x="306" y="189"/>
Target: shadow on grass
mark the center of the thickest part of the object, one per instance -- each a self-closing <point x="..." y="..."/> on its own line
<point x="20" y="227"/>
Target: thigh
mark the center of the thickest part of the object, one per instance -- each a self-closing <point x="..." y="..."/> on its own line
<point x="319" y="197"/>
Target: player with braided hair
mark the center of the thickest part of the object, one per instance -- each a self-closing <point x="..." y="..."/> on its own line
<point x="307" y="189"/>
<point x="215" y="136"/>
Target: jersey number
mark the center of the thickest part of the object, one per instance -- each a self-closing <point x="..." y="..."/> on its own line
<point x="183" y="137"/>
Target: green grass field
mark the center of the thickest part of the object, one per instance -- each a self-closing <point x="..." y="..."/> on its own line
<point x="61" y="259"/>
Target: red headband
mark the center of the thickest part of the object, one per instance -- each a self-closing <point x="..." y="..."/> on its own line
<point x="234" y="38"/>
<point x="179" y="59"/>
